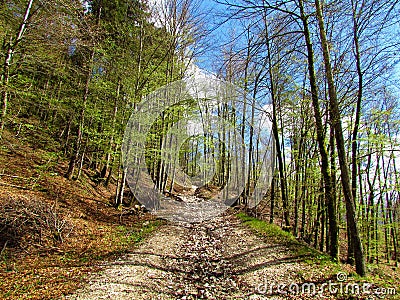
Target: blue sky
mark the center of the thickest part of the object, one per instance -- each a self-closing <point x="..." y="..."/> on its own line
<point x="218" y="29"/>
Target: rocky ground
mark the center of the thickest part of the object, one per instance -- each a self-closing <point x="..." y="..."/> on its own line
<point x="218" y="259"/>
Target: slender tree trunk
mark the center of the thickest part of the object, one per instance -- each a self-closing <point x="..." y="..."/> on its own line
<point x="5" y="76"/>
<point x="392" y="217"/>
<point x="354" y="142"/>
<point x="109" y="176"/>
<point x="275" y="130"/>
<point x="82" y="159"/>
<point x="106" y="167"/>
<point x="121" y="188"/>
<point x="333" y="227"/>
<point x="78" y="143"/>
<point x="297" y="157"/>
<point x="340" y="144"/>
<point x="272" y="207"/>
<point x="369" y="208"/>
<point x="323" y="221"/>
<point x="333" y="180"/>
<point x="243" y="127"/>
<point x="251" y="179"/>
<point x="318" y="218"/>
<point x="383" y="187"/>
<point x="296" y="199"/>
<point x="303" y="198"/>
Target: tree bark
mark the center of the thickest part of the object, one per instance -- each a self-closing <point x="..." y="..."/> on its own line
<point x="354" y="142"/>
<point x="333" y="227"/>
<point x="78" y="143"/>
<point x="106" y="167"/>
<point x="275" y="130"/>
<point x="340" y="144"/>
<point x="5" y="76"/>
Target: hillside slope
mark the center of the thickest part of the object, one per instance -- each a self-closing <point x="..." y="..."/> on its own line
<point x="54" y="231"/>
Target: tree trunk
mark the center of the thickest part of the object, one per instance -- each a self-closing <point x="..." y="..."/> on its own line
<point x="78" y="143"/>
<point x="340" y="144"/>
<point x="275" y="130"/>
<point x="120" y="189"/>
<point x="106" y="167"/>
<point x="333" y="227"/>
<point x="5" y="76"/>
<point x="354" y="142"/>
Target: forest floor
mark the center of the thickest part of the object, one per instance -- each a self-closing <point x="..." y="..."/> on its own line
<point x="62" y="239"/>
<point x="55" y="232"/>
<point x="224" y="259"/>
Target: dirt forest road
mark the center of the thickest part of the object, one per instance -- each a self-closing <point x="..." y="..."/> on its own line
<point x="218" y="259"/>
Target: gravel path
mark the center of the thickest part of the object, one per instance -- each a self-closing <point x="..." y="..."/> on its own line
<point x="218" y="259"/>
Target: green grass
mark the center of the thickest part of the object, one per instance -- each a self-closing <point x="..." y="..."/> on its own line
<point x="378" y="276"/>
<point x="130" y="236"/>
<point x="317" y="260"/>
<point x="274" y="234"/>
<point x="271" y="231"/>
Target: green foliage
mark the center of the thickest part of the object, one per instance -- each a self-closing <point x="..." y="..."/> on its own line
<point x="113" y="48"/>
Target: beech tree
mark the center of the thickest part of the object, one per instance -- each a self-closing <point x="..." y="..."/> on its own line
<point x="10" y="45"/>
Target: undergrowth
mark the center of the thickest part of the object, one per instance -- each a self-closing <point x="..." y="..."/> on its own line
<point x="377" y="278"/>
<point x="55" y="232"/>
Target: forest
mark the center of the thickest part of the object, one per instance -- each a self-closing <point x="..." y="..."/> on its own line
<point x="325" y="73"/>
